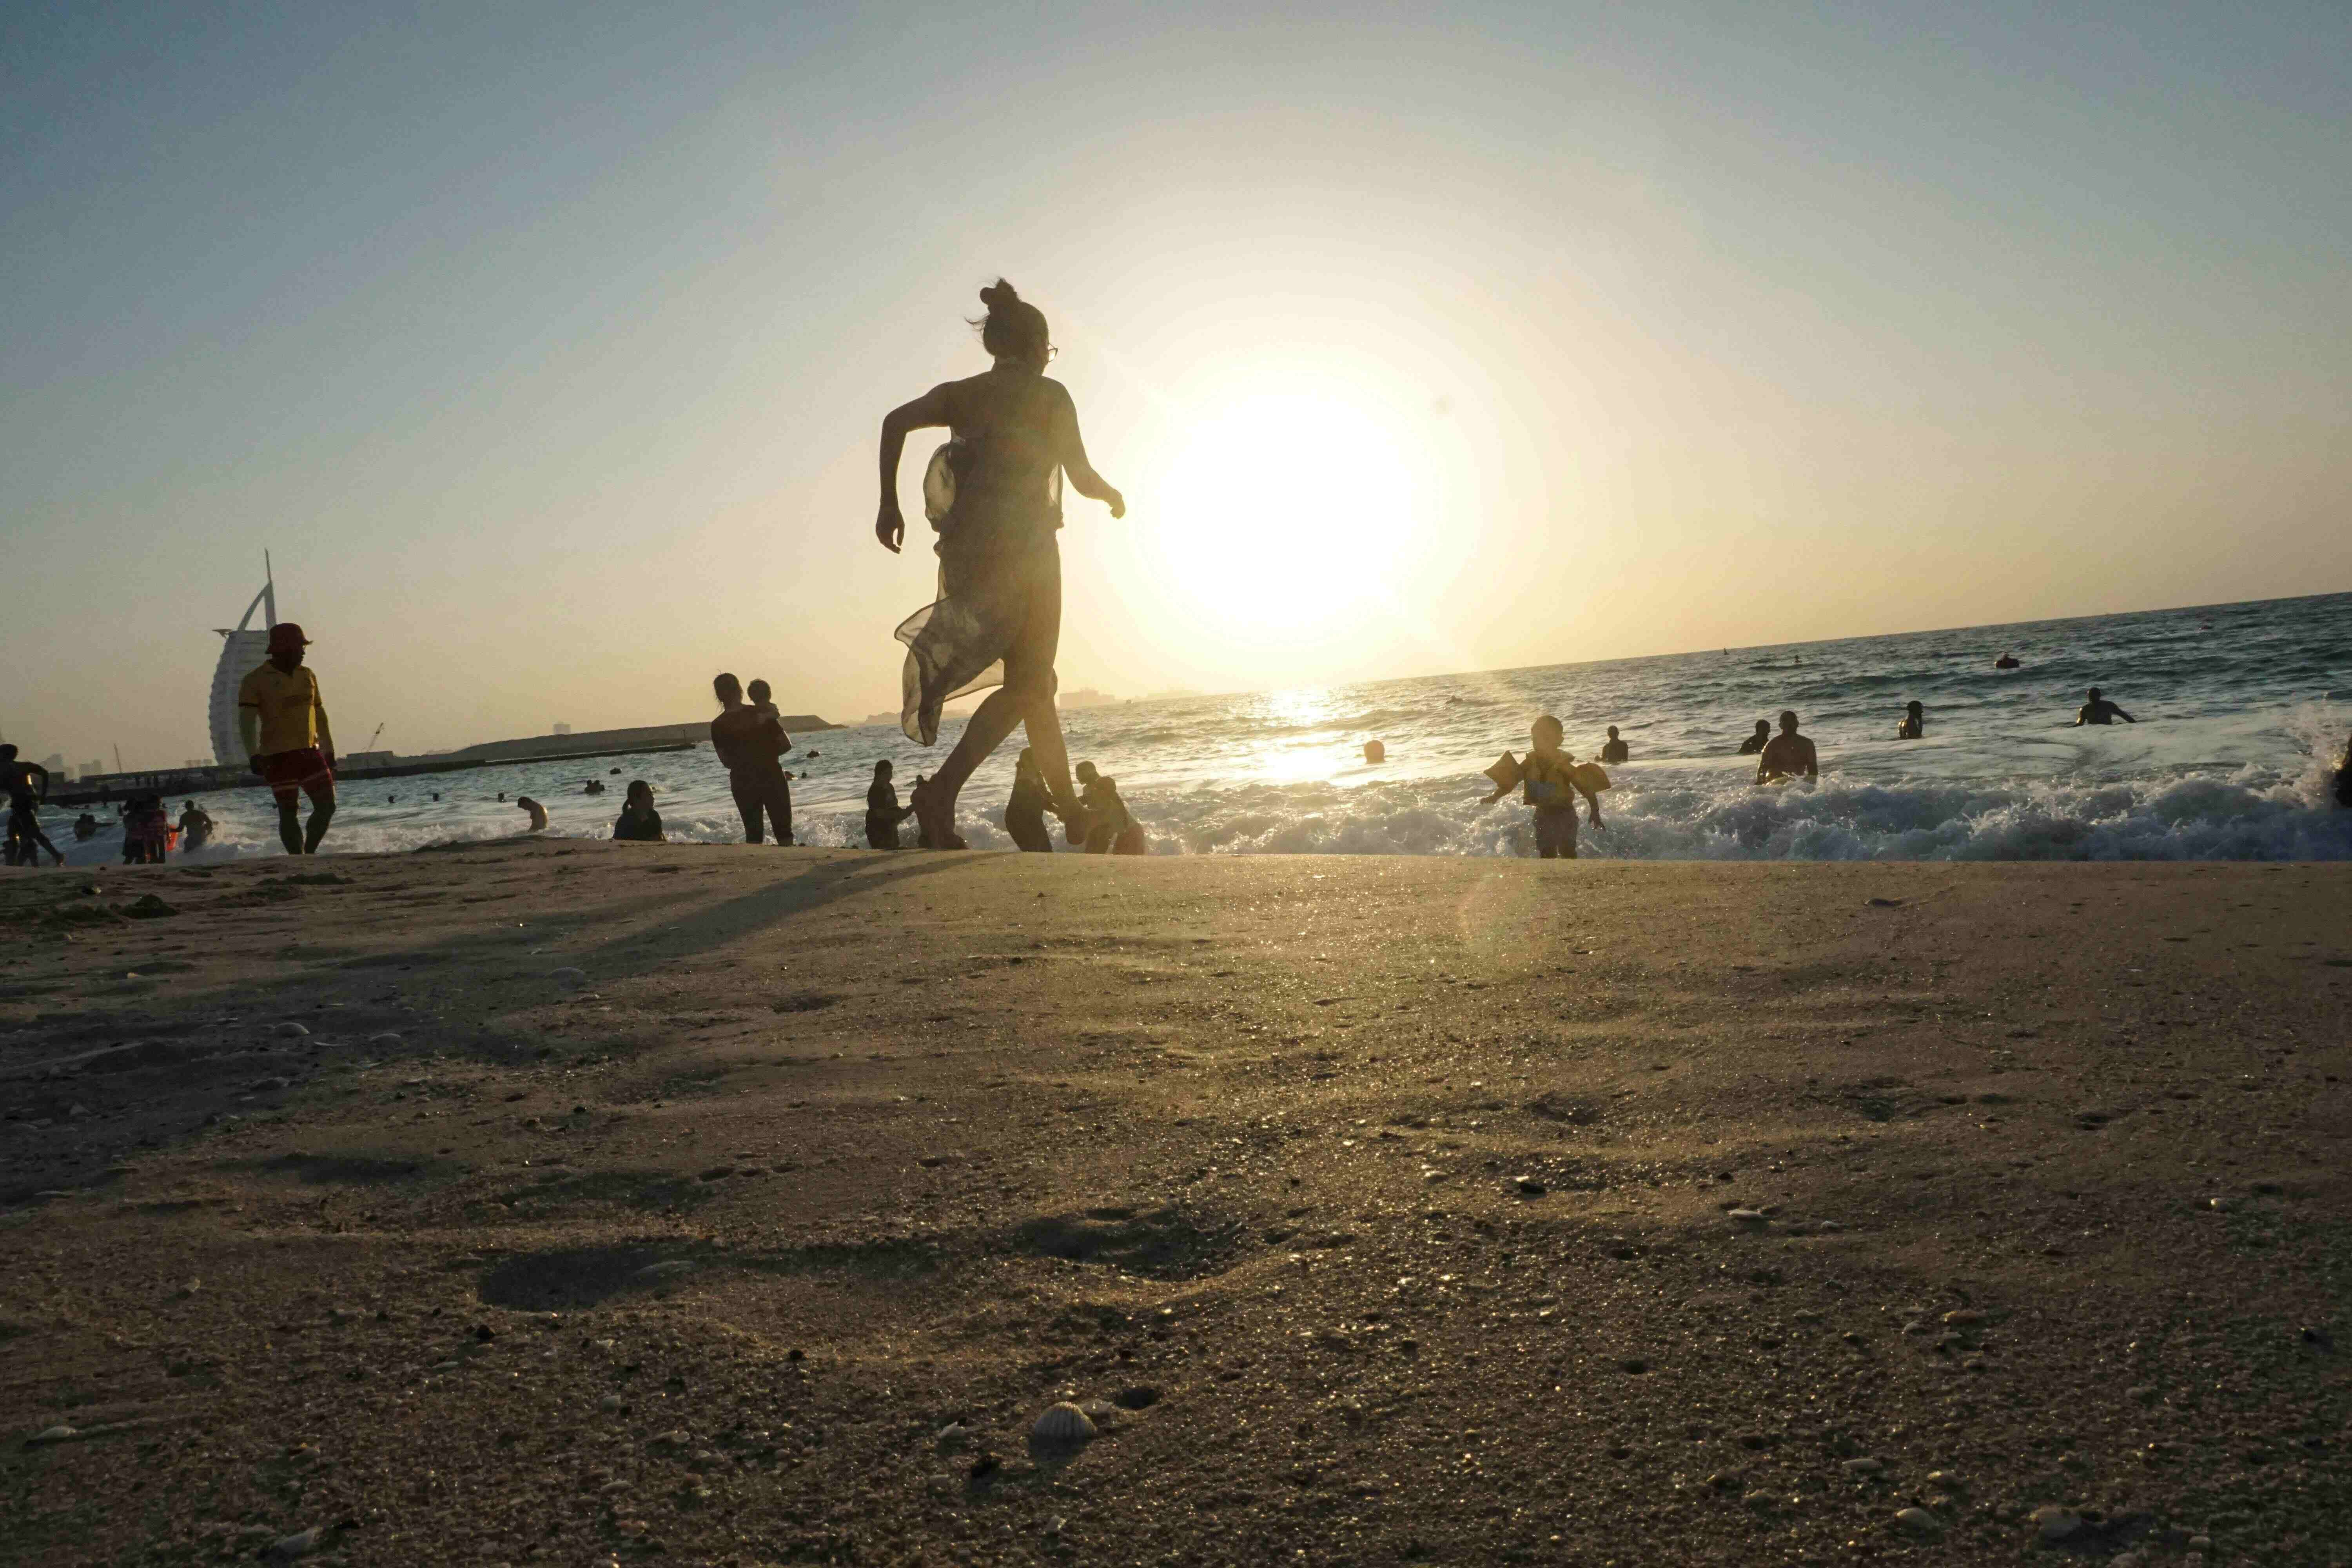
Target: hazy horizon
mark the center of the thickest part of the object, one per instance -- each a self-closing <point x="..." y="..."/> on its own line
<point x="546" y="348"/>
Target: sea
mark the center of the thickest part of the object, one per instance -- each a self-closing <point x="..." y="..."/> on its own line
<point x="2243" y="713"/>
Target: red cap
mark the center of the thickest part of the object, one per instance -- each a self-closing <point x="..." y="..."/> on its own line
<point x="286" y="634"/>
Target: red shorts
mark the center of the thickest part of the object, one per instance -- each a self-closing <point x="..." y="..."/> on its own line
<point x="305" y="770"/>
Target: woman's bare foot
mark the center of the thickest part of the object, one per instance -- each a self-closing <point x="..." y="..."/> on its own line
<point x="934" y="816"/>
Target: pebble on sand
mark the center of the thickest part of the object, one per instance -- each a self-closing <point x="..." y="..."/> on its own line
<point x="299" y="1545"/>
<point x="1063" y="1422"/>
<point x="54" y="1435"/>
<point x="291" y="1030"/>
<point x="569" y="979"/>
<point x="1918" y="1522"/>
<point x="2055" y="1523"/>
<point x="386" y="1041"/>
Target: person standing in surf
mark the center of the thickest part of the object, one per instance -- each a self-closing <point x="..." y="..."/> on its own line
<point x="995" y="494"/>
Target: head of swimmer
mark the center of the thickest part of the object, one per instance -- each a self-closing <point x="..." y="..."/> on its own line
<point x="2093" y="694"/>
<point x="1788" y="721"/>
<point x="729" y="690"/>
<point x="8" y="753"/>
<point x="1014" y="332"/>
<point x="1914" y="708"/>
<point x="1613" y="731"/>
<point x="1085" y="773"/>
<point x="640" y="793"/>
<point x="882" y="770"/>
<point x="1546" y="734"/>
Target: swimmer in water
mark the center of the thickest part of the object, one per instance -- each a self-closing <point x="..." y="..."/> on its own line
<point x="1548" y="781"/>
<point x="1914" y="722"/>
<point x="639" y="823"/>
<point x="2099" y="711"/>
<point x="1755" y="742"/>
<point x="1375" y="751"/>
<point x="538" y="812"/>
<point x="1111" y="828"/>
<point x="2344" y="778"/>
<point x="2006" y="661"/>
<point x="1787" y="754"/>
<point x="1613" y="750"/>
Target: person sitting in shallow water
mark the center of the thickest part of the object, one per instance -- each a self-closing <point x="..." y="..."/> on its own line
<point x="536" y="812"/>
<point x="1755" y="742"/>
<point x="883" y="812"/>
<point x="2344" y="777"/>
<point x="1025" y="813"/>
<point x="1111" y="828"/>
<point x="639" y="823"/>
<point x="1615" y="751"/>
<point x="1914" y="722"/>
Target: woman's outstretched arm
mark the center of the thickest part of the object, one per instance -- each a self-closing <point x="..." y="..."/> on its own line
<point x="1073" y="447"/>
<point x="923" y="413"/>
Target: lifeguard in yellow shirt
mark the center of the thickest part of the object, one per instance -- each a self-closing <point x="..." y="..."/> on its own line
<point x="284" y="727"/>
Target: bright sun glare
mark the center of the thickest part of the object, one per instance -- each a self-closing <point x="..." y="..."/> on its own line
<point x="1289" y="515"/>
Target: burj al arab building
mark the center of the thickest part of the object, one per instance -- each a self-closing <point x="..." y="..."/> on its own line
<point x="242" y="651"/>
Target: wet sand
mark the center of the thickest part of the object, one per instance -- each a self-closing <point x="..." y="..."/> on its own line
<point x="1403" y="1210"/>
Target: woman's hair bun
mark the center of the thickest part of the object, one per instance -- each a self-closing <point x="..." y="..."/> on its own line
<point x="998" y="295"/>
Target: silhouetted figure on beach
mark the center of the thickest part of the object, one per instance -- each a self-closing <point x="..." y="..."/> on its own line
<point x="196" y="828"/>
<point x="639" y="823"/>
<point x="1756" y="743"/>
<point x="1548" y="780"/>
<point x="1024" y="812"/>
<point x="994" y="494"/>
<point x="2344" y="777"/>
<point x="748" y="744"/>
<point x="1787" y="754"/>
<point x="535" y="812"/>
<point x="2099" y="711"/>
<point x="883" y="812"/>
<point x="1914" y="722"/>
<point x="1111" y="829"/>
<point x="28" y="784"/>
<point x="283" y="723"/>
<point x="146" y="832"/>
<point x="1613" y="750"/>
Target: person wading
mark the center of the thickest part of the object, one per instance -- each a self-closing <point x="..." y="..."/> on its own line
<point x="283" y="724"/>
<point x="994" y="494"/>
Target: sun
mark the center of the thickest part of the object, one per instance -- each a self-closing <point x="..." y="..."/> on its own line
<point x="1287" y="515"/>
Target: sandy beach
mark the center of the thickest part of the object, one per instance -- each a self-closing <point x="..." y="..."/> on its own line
<point x="575" y="1202"/>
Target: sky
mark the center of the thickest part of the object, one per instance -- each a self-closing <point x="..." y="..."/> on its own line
<point x="545" y="347"/>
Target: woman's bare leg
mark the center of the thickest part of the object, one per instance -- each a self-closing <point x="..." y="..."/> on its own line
<point x="1026" y="698"/>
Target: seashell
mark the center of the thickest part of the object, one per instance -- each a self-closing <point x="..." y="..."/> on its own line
<point x="54" y="1435"/>
<point x="1964" y="1317"/>
<point x="1063" y="1422"/>
<point x="953" y="1432"/>
<point x="1101" y="1412"/>
<point x="292" y="1030"/>
<point x="1746" y="1216"/>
